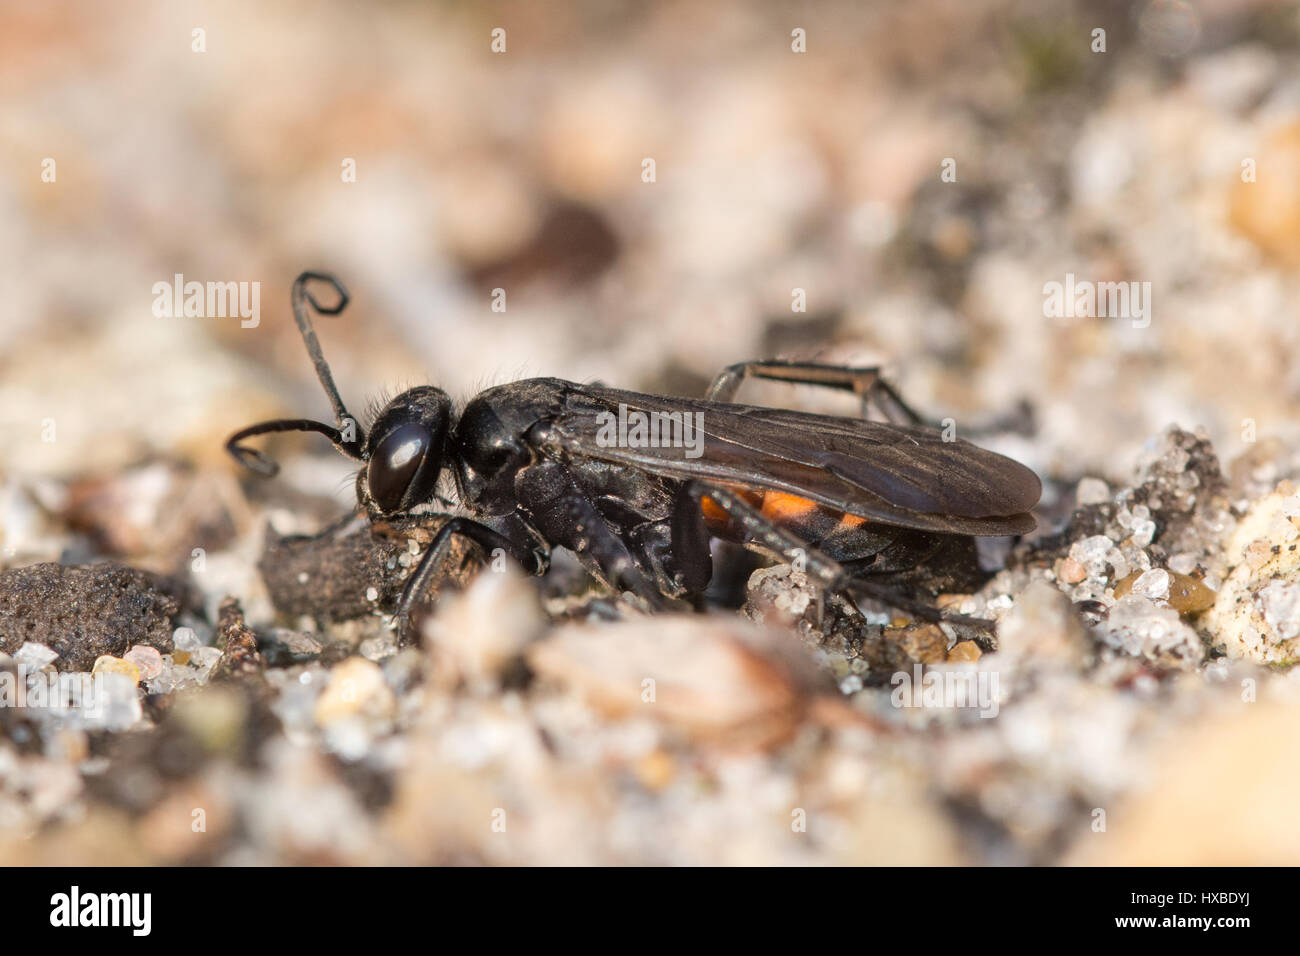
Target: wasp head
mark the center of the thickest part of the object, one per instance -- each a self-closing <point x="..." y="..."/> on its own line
<point x="405" y="451"/>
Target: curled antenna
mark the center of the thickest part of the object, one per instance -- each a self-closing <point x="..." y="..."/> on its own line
<point x="353" y="447"/>
<point x="299" y="298"/>
<point x="254" y="460"/>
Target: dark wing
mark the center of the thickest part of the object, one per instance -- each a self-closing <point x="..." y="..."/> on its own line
<point x="896" y="475"/>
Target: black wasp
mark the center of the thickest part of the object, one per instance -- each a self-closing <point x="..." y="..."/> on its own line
<point x="637" y="485"/>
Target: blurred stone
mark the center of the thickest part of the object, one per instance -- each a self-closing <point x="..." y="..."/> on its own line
<point x="486" y="212"/>
<point x="185" y="641"/>
<point x="1239" y="769"/>
<point x="1072" y="572"/>
<point x="298" y="810"/>
<point x="34" y="656"/>
<point x="1091" y="491"/>
<point x="116" y="665"/>
<point x="103" y="837"/>
<point x="1267" y="211"/>
<point x="656" y="770"/>
<point x="710" y="677"/>
<point x="477" y="636"/>
<point x="900" y="829"/>
<point x="923" y="643"/>
<point x="356" y="688"/>
<point x="238" y="655"/>
<point x="188" y="824"/>
<point x="1138" y="626"/>
<point x="83" y="612"/>
<point x="161" y="509"/>
<point x="215" y="717"/>
<point x="1153" y="584"/>
<point x="283" y="646"/>
<point x="780" y="595"/>
<point x="1256" y="614"/>
<point x="116" y="702"/>
<point x="165" y="411"/>
<point x="1188" y="595"/>
<point x="1043" y="628"/>
<point x="147" y="659"/>
<point x="204" y="660"/>
<point x="354" y="568"/>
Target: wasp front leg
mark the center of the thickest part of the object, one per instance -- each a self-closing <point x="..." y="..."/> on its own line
<point x="530" y="555"/>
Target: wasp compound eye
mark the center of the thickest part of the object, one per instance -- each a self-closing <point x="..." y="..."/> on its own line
<point x="395" y="464"/>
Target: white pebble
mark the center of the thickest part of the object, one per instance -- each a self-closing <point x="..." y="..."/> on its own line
<point x="185" y="639"/>
<point x="1092" y="491"/>
<point x="1144" y="531"/>
<point x="34" y="656"/>
<point x="147" y="658"/>
<point x="1154" y="584"/>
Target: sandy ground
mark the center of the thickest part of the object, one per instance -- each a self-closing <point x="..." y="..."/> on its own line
<point x="644" y="197"/>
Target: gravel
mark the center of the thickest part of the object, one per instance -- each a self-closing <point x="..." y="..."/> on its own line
<point x="1138" y="697"/>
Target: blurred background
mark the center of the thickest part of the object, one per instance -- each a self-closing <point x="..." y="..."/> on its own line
<point x="657" y="191"/>
<point x="773" y="171"/>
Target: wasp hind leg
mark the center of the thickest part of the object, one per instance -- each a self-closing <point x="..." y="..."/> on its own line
<point x="865" y="382"/>
<point x="688" y="560"/>
<point x="831" y="574"/>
